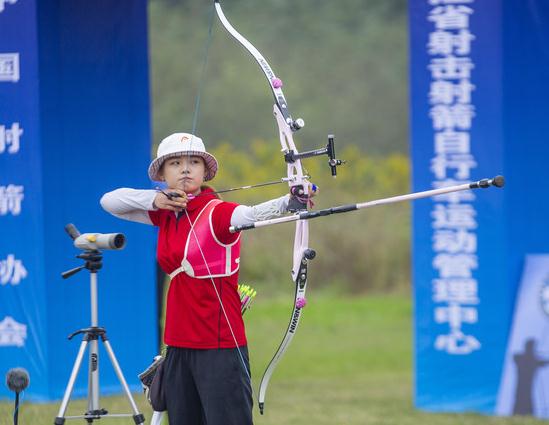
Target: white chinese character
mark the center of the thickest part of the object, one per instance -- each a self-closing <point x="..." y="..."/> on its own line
<point x="437" y="2"/>
<point x="457" y="343"/>
<point x="454" y="241"/>
<point x="3" y="2"/>
<point x="463" y="115"/>
<point x="454" y="116"/>
<point x="446" y="92"/>
<point x="451" y="68"/>
<point x="445" y="43"/>
<point x="455" y="314"/>
<point x="453" y="197"/>
<point x="440" y="43"/>
<point x="463" y="164"/>
<point x="455" y="291"/>
<point x="449" y="142"/>
<point x="455" y="265"/>
<point x="462" y="42"/>
<point x="10" y="199"/>
<point x="12" y="334"/>
<point x="450" y="17"/>
<point x="454" y="216"/>
<point x="9" y="138"/>
<point x="12" y="271"/>
<point x="9" y="67"/>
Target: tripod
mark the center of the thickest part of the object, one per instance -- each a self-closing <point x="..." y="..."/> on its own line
<point x="91" y="335"/>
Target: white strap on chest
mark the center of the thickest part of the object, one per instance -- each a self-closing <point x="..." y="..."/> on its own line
<point x="185" y="267"/>
<point x="177" y="271"/>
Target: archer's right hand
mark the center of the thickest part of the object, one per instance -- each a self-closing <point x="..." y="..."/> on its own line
<point x="171" y="199"/>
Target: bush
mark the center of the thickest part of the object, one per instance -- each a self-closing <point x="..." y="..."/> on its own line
<point x="367" y="250"/>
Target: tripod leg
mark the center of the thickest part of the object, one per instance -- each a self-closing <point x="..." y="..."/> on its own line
<point x="60" y="419"/>
<point x="138" y="417"/>
<point x="93" y="377"/>
<point x="157" y="418"/>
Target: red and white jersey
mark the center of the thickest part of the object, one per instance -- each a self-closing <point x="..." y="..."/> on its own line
<point x="205" y="255"/>
<point x="194" y="318"/>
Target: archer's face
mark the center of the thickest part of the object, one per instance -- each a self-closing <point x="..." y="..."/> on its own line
<point x="184" y="172"/>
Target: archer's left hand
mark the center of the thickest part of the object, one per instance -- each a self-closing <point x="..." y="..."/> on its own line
<point x="313" y="190"/>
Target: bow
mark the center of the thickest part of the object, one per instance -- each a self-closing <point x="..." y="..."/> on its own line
<point x="299" y="188"/>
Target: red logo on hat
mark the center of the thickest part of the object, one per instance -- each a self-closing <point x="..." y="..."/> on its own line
<point x="184" y="138"/>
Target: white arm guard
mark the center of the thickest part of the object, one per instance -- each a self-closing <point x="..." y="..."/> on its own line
<point x="130" y="204"/>
<point x="264" y="211"/>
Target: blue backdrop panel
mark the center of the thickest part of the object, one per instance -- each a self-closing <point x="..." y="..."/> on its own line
<point x="23" y="298"/>
<point x="524" y="383"/>
<point x="82" y="101"/>
<point x="526" y="127"/>
<point x="468" y="122"/>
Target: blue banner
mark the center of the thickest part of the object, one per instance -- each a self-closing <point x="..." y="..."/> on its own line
<point x="468" y="247"/>
<point x="23" y="300"/>
<point x="74" y="124"/>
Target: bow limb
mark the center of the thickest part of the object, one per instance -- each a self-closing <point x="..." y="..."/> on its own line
<point x="274" y="83"/>
<point x="299" y="187"/>
<point x="302" y="255"/>
<point x="286" y="124"/>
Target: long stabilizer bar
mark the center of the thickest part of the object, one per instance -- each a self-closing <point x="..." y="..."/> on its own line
<point x="497" y="181"/>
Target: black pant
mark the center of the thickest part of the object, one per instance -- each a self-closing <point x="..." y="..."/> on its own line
<point x="208" y="387"/>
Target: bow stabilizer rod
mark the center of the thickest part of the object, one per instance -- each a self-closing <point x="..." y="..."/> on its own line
<point x="497" y="181"/>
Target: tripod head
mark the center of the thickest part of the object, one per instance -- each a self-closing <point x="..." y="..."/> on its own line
<point x="94" y="261"/>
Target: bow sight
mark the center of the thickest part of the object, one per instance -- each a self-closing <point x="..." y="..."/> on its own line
<point x="299" y="199"/>
<point x="329" y="150"/>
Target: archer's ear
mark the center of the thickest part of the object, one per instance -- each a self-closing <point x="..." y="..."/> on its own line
<point x="161" y="173"/>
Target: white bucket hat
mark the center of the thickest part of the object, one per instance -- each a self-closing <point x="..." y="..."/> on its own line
<point x="180" y="144"/>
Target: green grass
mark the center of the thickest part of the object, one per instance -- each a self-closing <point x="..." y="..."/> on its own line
<point x="350" y="363"/>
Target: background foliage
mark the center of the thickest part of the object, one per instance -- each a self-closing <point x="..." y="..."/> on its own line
<point x="344" y="65"/>
<point x="357" y="251"/>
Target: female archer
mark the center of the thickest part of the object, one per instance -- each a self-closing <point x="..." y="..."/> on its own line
<point x="206" y="376"/>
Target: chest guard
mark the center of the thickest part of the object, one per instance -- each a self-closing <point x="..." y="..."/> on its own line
<point x="221" y="259"/>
